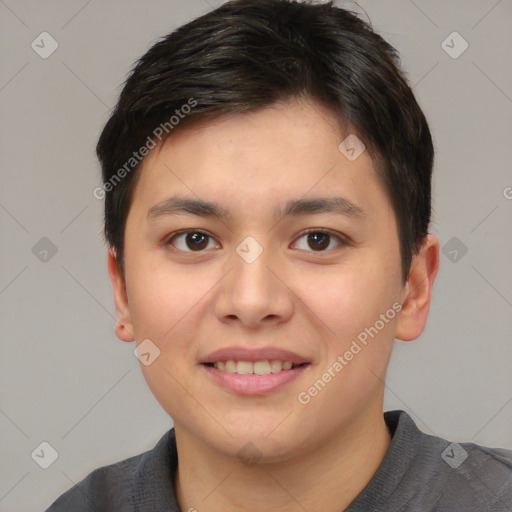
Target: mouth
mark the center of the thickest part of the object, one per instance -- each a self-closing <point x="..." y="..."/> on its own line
<point x="263" y="367"/>
<point x="253" y="378"/>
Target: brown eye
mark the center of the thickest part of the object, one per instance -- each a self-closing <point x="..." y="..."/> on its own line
<point x="318" y="240"/>
<point x="190" y="241"/>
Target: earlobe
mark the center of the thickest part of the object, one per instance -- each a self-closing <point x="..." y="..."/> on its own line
<point x="417" y="292"/>
<point x="124" y="327"/>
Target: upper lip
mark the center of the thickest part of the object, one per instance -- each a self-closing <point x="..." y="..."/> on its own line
<point x="253" y="354"/>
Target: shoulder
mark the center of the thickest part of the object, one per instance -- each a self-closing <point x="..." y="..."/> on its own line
<point x="477" y="476"/>
<point x="458" y="476"/>
<point x="105" y="488"/>
<point x="116" y="486"/>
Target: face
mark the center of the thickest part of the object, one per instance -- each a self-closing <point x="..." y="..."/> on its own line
<point x="256" y="280"/>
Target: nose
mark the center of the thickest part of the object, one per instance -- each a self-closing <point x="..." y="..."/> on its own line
<point x="254" y="293"/>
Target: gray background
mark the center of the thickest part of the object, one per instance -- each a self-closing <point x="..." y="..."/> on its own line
<point x="67" y="380"/>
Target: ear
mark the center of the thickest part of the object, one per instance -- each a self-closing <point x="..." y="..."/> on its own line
<point x="124" y="327"/>
<point x="417" y="292"/>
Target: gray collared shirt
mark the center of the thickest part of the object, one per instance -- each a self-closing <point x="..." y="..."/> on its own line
<point x="419" y="473"/>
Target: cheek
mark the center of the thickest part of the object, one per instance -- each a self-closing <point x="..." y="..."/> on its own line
<point x="160" y="299"/>
<point x="346" y="300"/>
<point x="164" y="307"/>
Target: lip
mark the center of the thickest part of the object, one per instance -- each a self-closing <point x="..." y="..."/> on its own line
<point x="255" y="354"/>
<point x="251" y="384"/>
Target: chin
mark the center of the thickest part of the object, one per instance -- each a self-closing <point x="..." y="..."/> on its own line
<point x="259" y="451"/>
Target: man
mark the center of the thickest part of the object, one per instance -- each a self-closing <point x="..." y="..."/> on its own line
<point x="267" y="183"/>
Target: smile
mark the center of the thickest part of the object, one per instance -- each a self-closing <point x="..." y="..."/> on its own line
<point x="264" y="367"/>
<point x="253" y="378"/>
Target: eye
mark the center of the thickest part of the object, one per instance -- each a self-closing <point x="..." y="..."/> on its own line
<point x="192" y="239"/>
<point x="319" y="239"/>
<point x="195" y="241"/>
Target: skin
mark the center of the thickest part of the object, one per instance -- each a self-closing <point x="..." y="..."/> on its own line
<point x="318" y="456"/>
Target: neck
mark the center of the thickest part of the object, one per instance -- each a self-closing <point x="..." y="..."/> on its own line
<point x="328" y="477"/>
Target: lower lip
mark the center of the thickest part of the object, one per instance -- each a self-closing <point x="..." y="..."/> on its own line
<point x="251" y="384"/>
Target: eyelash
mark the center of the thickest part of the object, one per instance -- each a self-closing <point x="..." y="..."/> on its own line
<point x="342" y="240"/>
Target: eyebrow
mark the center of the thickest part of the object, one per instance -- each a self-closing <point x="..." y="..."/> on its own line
<point x="177" y="204"/>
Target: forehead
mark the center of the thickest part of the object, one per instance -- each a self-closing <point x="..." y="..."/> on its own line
<point x="281" y="153"/>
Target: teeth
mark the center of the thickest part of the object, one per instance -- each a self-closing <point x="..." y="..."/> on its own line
<point x="258" y="367"/>
<point x="230" y="366"/>
<point x="261" y="367"/>
<point x="244" y="367"/>
<point x="276" y="366"/>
